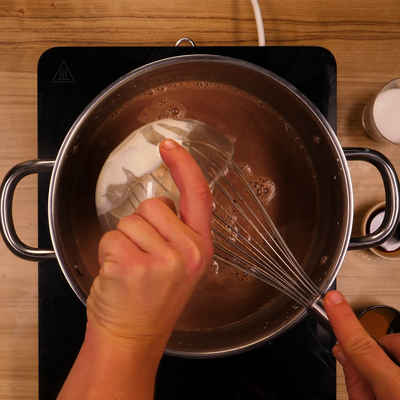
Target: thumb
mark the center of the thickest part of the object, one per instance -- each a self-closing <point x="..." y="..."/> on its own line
<point x="195" y="204"/>
<point x="360" y="349"/>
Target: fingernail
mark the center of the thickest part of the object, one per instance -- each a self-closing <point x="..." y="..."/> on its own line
<point x="335" y="297"/>
<point x="169" y="144"/>
<point x="341" y="358"/>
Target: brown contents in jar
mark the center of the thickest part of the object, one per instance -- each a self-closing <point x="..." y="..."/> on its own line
<point x="375" y="324"/>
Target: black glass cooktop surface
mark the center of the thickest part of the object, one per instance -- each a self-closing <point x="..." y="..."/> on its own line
<point x="298" y="365"/>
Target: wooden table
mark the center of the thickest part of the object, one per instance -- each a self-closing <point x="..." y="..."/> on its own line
<point x="364" y="37"/>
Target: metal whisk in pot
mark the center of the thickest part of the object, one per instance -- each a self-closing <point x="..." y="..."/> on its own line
<point x="246" y="238"/>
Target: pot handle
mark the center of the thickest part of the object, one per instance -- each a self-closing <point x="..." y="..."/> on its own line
<point x="7" y="227"/>
<point x="392" y="192"/>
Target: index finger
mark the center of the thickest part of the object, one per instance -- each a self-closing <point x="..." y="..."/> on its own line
<point x="195" y="204"/>
<point x="362" y="351"/>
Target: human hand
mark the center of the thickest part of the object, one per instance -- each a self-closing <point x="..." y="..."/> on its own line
<point x="369" y="373"/>
<point x="150" y="266"/>
<point x="152" y="262"/>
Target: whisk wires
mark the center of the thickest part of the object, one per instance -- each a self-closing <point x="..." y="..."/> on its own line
<point x="246" y="238"/>
<point x="244" y="235"/>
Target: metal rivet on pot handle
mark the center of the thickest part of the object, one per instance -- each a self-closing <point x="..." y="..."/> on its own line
<point x="392" y="191"/>
<point x="7" y="227"/>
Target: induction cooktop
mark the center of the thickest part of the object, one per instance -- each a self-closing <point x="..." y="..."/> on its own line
<point x="298" y="365"/>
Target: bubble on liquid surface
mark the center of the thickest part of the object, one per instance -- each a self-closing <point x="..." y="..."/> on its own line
<point x="213" y="269"/>
<point x="162" y="108"/>
<point x="245" y="169"/>
<point x="263" y="187"/>
<point x="231" y="138"/>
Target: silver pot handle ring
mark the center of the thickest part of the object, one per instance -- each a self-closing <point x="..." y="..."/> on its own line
<point x="7" y="227"/>
<point x="392" y="192"/>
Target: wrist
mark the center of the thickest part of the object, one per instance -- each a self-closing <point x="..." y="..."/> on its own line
<point x="108" y="367"/>
<point x="146" y="350"/>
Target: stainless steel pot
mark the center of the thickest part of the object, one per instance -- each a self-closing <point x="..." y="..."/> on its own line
<point x="75" y="171"/>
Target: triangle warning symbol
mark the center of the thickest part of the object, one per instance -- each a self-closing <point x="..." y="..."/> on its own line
<point x="63" y="75"/>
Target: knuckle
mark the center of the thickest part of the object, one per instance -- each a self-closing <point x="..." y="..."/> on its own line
<point x="172" y="261"/>
<point x="114" y="254"/>
<point x="149" y="206"/>
<point x="189" y="259"/>
<point x="110" y="241"/>
<point x="196" y="255"/>
<point x="360" y="344"/>
<point x="203" y="193"/>
<point x="127" y="222"/>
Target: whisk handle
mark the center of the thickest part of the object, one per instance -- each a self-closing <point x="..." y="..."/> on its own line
<point x="317" y="311"/>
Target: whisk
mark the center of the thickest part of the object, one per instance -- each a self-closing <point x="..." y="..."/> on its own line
<point x="245" y="237"/>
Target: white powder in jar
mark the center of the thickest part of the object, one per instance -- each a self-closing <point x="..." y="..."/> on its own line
<point x="387" y="114"/>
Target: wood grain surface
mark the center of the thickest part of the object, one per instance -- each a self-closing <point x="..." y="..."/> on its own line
<point x="364" y="37"/>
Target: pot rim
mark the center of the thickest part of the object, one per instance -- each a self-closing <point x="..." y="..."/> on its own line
<point x="177" y="60"/>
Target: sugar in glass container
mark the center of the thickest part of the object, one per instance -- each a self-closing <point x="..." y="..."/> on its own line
<point x="381" y="116"/>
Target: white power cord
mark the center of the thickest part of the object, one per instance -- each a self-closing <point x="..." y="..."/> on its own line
<point x="259" y="22"/>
